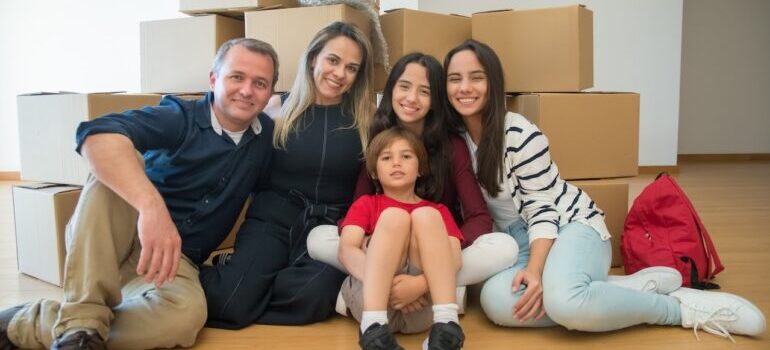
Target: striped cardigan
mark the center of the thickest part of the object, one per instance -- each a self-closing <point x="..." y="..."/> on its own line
<point x="542" y="198"/>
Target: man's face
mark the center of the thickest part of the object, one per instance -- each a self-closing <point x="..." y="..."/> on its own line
<point x="241" y="88"/>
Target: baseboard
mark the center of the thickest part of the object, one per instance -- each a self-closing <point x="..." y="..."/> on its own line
<point x="9" y="176"/>
<point x="723" y="157"/>
<point x="657" y="169"/>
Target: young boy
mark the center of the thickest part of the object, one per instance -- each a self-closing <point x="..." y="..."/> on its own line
<point x="387" y="237"/>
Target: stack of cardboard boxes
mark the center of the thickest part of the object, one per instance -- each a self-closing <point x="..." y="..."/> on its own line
<point x="547" y="56"/>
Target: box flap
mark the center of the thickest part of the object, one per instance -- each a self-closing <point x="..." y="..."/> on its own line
<point x="48" y="187"/>
<point x="492" y="11"/>
<point x="44" y="93"/>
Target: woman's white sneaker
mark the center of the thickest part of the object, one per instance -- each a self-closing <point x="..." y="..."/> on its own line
<point x="656" y="279"/>
<point x="719" y="313"/>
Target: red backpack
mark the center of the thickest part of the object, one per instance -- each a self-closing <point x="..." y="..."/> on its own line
<point x="663" y="229"/>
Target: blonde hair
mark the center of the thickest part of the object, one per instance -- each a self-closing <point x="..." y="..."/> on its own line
<point x="358" y="101"/>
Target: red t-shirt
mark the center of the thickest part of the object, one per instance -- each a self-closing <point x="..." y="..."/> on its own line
<point x="366" y="210"/>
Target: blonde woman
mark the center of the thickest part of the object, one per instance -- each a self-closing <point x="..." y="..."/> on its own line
<point x="319" y="137"/>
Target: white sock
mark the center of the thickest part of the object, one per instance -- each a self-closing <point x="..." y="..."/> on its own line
<point x="369" y="318"/>
<point x="445" y="313"/>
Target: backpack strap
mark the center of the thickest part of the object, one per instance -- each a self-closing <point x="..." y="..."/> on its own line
<point x="708" y="245"/>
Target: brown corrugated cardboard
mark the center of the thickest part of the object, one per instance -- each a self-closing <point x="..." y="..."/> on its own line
<point x="176" y="54"/>
<point x="231" y="8"/>
<point x="408" y="31"/>
<point x="543" y="50"/>
<point x="47" y="125"/>
<point x="41" y="212"/>
<point x="591" y="135"/>
<point x="611" y="196"/>
<point x="290" y="31"/>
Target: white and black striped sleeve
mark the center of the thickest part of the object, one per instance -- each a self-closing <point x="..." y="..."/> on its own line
<point x="536" y="174"/>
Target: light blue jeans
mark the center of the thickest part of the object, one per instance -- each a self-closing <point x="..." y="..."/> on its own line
<point x="575" y="292"/>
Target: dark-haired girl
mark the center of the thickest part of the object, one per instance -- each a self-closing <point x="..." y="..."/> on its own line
<point x="564" y="249"/>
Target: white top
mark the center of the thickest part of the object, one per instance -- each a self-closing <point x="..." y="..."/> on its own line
<point x="539" y="195"/>
<point x="501" y="207"/>
<point x="236" y="136"/>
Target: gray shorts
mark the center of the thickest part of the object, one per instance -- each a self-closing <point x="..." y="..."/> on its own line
<point x="414" y="322"/>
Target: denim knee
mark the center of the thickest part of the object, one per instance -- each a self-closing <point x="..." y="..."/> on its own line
<point x="497" y="300"/>
<point x="566" y="305"/>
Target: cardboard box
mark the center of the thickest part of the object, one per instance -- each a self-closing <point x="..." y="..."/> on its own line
<point x="41" y="213"/>
<point x="543" y="50"/>
<point x="290" y="31"/>
<point x="611" y="196"/>
<point x="231" y="8"/>
<point x="408" y="31"/>
<point x="176" y="54"/>
<point x="47" y="126"/>
<point x="591" y="135"/>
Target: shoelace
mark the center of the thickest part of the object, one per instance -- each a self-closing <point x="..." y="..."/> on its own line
<point x="711" y="324"/>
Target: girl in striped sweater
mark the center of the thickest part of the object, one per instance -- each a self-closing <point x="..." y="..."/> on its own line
<point x="564" y="248"/>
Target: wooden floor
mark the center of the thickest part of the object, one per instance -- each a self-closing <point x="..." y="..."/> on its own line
<point x="733" y="199"/>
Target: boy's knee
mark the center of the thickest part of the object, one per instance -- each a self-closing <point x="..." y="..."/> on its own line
<point x="423" y="214"/>
<point x="394" y="215"/>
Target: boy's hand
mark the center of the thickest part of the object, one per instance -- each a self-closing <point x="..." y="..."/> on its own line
<point x="417" y="305"/>
<point x="406" y="290"/>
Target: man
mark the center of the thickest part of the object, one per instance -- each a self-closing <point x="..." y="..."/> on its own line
<point x="138" y="235"/>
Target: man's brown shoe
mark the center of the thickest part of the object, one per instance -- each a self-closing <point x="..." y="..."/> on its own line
<point x="80" y="340"/>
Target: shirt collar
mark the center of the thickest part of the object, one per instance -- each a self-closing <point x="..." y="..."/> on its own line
<point x="256" y="126"/>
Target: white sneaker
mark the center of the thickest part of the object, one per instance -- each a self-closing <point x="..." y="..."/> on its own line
<point x="719" y="313"/>
<point x="460" y="299"/>
<point x="340" y="306"/>
<point x="656" y="279"/>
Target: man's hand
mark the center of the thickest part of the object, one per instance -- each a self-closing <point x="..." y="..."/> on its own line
<point x="161" y="245"/>
<point x="530" y="305"/>
<point x="406" y="293"/>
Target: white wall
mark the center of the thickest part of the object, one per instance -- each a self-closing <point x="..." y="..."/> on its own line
<point x="725" y="77"/>
<point x="83" y="46"/>
<point x="637" y="47"/>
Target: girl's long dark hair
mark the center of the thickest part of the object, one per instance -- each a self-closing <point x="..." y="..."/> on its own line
<point x="435" y="135"/>
<point x="490" y="151"/>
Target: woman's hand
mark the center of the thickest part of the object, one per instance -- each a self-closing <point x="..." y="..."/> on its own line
<point x="530" y="305"/>
<point x="407" y="293"/>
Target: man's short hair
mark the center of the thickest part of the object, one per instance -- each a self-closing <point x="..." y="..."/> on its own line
<point x="253" y="45"/>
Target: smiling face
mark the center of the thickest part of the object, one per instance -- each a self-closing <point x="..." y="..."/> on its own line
<point x="411" y="97"/>
<point x="397" y="166"/>
<point x="467" y="84"/>
<point x="241" y="87"/>
<point x="335" y="69"/>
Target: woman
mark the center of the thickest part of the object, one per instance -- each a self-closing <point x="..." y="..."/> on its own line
<point x="560" y="231"/>
<point x="414" y="99"/>
<point x="318" y="141"/>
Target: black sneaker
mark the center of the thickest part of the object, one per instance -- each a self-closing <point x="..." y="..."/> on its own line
<point x="221" y="259"/>
<point x="378" y="337"/>
<point x="445" y="336"/>
<point x="5" y="320"/>
<point x="80" y="340"/>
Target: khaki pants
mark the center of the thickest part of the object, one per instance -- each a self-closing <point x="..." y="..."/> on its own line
<point x="102" y="290"/>
<point x="414" y="322"/>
